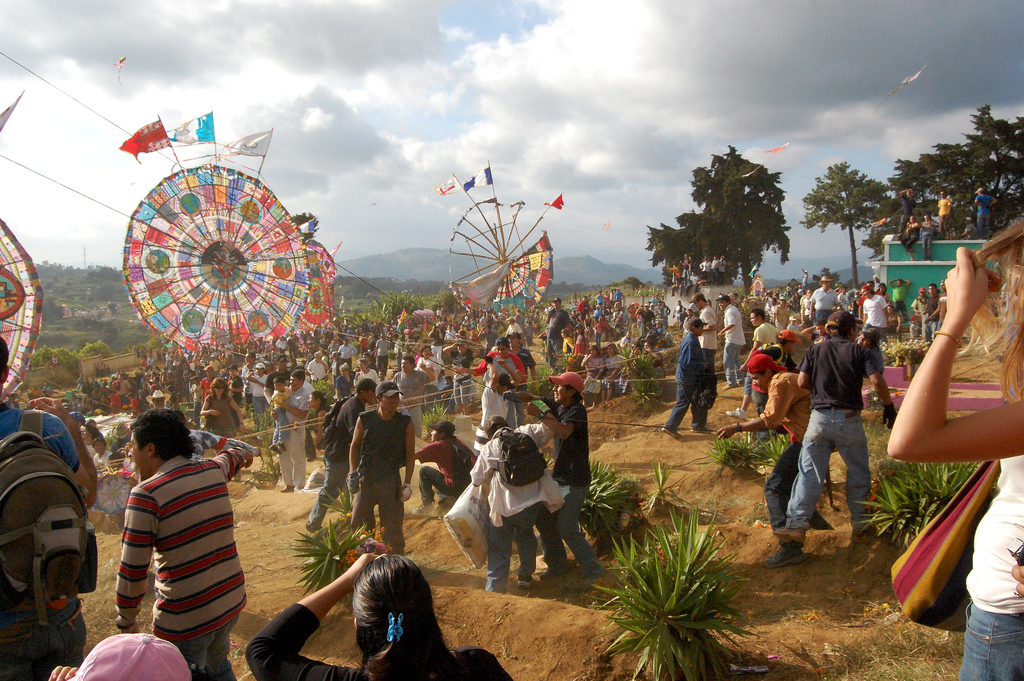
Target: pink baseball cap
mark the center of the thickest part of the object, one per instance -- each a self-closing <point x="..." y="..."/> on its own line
<point x="127" y="657"/>
<point x="573" y="380"/>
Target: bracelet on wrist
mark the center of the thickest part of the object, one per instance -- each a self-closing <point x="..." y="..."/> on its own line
<point x="953" y="338"/>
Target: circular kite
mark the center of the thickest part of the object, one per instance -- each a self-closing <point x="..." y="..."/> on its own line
<point x="212" y="257"/>
<point x="21" y="305"/>
<point x="319" y="310"/>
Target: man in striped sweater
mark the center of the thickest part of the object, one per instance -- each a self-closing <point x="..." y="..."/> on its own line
<point x="180" y="517"/>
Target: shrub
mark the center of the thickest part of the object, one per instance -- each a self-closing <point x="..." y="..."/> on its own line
<point x="675" y="601"/>
<point x="742" y="452"/>
<point x="328" y="553"/>
<point x="613" y="502"/>
<point x="438" y="412"/>
<point x="906" y="496"/>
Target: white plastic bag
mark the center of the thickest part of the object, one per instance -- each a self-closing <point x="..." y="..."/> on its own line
<point x="467" y="521"/>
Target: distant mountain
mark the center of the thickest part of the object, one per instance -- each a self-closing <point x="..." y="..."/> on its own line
<point x="433" y="264"/>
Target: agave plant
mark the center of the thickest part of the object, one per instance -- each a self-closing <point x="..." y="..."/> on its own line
<point x="328" y="553"/>
<point x="675" y="601"/>
<point x="612" y="502"/>
<point x="906" y="496"/>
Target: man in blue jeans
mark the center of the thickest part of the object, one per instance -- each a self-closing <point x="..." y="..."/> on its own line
<point x="834" y="370"/>
<point x="513" y="509"/>
<point x="566" y="418"/>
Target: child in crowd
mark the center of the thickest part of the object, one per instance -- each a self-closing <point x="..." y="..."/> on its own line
<point x="279" y="403"/>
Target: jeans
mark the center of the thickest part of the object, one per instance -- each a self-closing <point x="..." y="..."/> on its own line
<point x="779" y="485"/>
<point x="930" y="327"/>
<point x="335" y="474"/>
<point x="61" y="642"/>
<point x="259" y="405"/>
<point x="984" y="228"/>
<point x="209" y="653"/>
<point x="926" y="244"/>
<point x="841" y="429"/>
<point x="416" y="414"/>
<point x="993" y="646"/>
<point x="499" y="548"/>
<point x="281" y="434"/>
<point x="432" y="479"/>
<point x="552" y="349"/>
<point x="732" y="362"/>
<point x="685" y="391"/>
<point x="564" y="525"/>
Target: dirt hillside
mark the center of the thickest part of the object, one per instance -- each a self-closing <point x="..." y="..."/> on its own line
<point x="807" y="619"/>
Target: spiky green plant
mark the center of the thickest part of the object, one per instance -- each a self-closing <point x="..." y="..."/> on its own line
<point x="771" y="448"/>
<point x="612" y="499"/>
<point x="675" y="601"/>
<point x="326" y="554"/>
<point x="436" y="413"/>
<point x="906" y="496"/>
<point x="662" y="488"/>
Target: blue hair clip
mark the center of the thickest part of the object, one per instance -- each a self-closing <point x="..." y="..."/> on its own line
<point x="394" y="627"/>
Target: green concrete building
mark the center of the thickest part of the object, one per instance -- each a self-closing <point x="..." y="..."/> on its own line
<point x="896" y="263"/>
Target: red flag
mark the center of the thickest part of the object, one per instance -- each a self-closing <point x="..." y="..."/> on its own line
<point x="557" y="203"/>
<point x="149" y="138"/>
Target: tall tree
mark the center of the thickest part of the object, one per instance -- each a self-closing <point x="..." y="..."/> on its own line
<point x="740" y="217"/>
<point x="845" y="197"/>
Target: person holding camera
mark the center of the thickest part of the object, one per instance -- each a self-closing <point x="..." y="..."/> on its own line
<point x="924" y="433"/>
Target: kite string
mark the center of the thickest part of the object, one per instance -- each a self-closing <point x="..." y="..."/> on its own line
<point x="61" y="184"/>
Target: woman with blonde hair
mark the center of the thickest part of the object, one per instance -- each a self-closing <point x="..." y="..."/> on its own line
<point x="924" y="433"/>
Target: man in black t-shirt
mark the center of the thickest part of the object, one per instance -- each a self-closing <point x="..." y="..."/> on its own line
<point x="558" y="319"/>
<point x="834" y="370"/>
<point x="567" y="420"/>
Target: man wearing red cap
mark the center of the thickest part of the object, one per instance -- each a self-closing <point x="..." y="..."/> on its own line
<point x="788" y="410"/>
<point x="566" y="418"/>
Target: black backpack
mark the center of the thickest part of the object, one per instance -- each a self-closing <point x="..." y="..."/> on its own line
<point x="47" y="551"/>
<point x="521" y="462"/>
<point x="335" y="433"/>
<point x="463" y="459"/>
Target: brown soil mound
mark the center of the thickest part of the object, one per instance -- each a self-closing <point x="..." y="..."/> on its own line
<point x="804" y="614"/>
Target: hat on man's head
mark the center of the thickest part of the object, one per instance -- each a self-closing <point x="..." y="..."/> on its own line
<point x="366" y="384"/>
<point x="260" y="365"/>
<point x="569" y="378"/>
<point x="788" y="335"/>
<point x="922" y="290"/>
<point x="387" y="389"/>
<point x="841" y="323"/>
<point x="502" y="340"/>
<point x="759" y="361"/>
<point x="724" y="298"/>
<point x="826" y="278"/>
<point x="493" y="424"/>
<point x="157" y="395"/>
<point x="446" y="428"/>
<point x="134" y="656"/>
<point x="556" y="299"/>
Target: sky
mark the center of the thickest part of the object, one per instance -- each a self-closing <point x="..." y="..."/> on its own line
<point x="375" y="102"/>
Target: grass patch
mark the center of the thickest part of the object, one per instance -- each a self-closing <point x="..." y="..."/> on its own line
<point x="900" y="652"/>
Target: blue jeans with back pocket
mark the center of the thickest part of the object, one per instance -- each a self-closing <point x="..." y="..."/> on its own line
<point x="993" y="646"/>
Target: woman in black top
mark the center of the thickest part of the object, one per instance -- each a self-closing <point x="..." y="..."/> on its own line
<point x="396" y="630"/>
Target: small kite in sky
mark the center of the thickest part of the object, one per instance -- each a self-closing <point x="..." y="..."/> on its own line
<point x="776" y="150"/>
<point x="880" y="222"/>
<point x="756" y="168"/>
<point x="903" y="84"/>
<point x="557" y="203"/>
<point x="607" y="226"/>
<point x="120" y="65"/>
<point x="9" y="110"/>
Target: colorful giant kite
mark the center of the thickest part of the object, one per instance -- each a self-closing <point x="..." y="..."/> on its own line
<point x="21" y="306"/>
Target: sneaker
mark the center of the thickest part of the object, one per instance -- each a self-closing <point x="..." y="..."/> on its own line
<point x="789" y="553"/>
<point x="552" y="574"/>
<point x="311" y="528"/>
<point x="699" y="429"/>
<point x="788" y="534"/>
<point x="524" y="581"/>
<point x="737" y="414"/>
<point x="732" y="385"/>
<point x="276" y="448"/>
<point x="425" y="509"/>
<point x="288" y="489"/>
<point x="818" y="522"/>
<point x="669" y="431"/>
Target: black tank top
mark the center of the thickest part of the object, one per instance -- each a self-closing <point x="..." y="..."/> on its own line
<point x="382" y="452"/>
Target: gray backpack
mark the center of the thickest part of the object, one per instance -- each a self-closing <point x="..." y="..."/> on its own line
<point x="46" y="549"/>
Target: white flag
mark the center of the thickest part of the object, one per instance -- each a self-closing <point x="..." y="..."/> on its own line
<point x="8" y="111"/>
<point x="250" y="145"/>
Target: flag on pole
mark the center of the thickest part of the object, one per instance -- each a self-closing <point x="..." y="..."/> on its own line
<point x="880" y="222"/>
<point x="8" y="111"/>
<point x="557" y="203"/>
<point x="447" y="188"/>
<point x="480" y="179"/>
<point x="195" y="131"/>
<point x="250" y="145"/>
<point x="149" y="138"/>
<point x="401" y="319"/>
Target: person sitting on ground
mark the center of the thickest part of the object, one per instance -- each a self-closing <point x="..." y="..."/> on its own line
<point x="513" y="509"/>
<point x="396" y="630"/>
<point x="454" y="461"/>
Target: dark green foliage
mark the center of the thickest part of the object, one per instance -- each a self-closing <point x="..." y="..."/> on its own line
<point x="906" y="496"/>
<point x="740" y="217"/>
<point x="327" y="554"/>
<point x="613" y="502"/>
<point x="746" y="452"/>
<point x="675" y="601"/>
